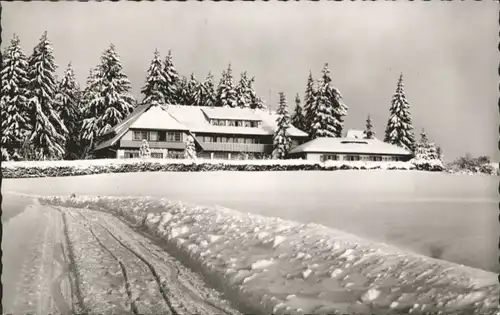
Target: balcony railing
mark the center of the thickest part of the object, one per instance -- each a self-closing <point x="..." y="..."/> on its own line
<point x="153" y="144"/>
<point x="236" y="147"/>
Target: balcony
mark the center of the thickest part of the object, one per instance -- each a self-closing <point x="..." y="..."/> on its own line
<point x="153" y="144"/>
<point x="236" y="147"/>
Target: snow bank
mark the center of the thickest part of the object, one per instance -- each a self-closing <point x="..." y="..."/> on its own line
<point x="87" y="167"/>
<point x="268" y="265"/>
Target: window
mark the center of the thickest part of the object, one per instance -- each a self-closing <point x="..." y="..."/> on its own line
<point x="238" y="123"/>
<point x="247" y="124"/>
<point x="231" y="123"/>
<point x="352" y="158"/>
<point x="157" y="155"/>
<point x="153" y="136"/>
<point x="173" y="137"/>
<point x="140" y="135"/>
<point x="249" y="140"/>
<point x="162" y="136"/>
<point x="376" y="158"/>
<point x="254" y="124"/>
<point x="241" y="140"/>
<point x="330" y="157"/>
<point x="208" y="139"/>
<point x="131" y="154"/>
<point x="220" y="156"/>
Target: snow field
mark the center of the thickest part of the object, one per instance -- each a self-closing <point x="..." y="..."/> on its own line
<point x="268" y="265"/>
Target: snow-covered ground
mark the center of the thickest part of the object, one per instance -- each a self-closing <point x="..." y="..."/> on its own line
<point x="417" y="211"/>
<point x="276" y="266"/>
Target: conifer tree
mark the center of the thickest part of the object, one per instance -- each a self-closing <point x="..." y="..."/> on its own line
<point x="172" y="81"/>
<point x="208" y="91"/>
<point x="182" y="92"/>
<point x="190" y="151"/>
<point x="242" y="92"/>
<point x="155" y="82"/>
<point x="255" y="101"/>
<point x="109" y="99"/>
<point x="193" y="91"/>
<point x="226" y="93"/>
<point x="14" y="100"/>
<point x="45" y="123"/>
<point x="67" y="106"/>
<point x="329" y="114"/>
<point x="92" y="104"/>
<point x="424" y="149"/>
<point x="282" y="141"/>
<point x="369" y="133"/>
<point x="298" y="119"/>
<point x="399" y="130"/>
<point x="309" y="104"/>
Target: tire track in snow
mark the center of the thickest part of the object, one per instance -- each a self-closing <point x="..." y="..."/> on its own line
<point x="172" y="306"/>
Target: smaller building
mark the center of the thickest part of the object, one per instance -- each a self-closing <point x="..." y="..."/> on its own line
<point x="350" y="148"/>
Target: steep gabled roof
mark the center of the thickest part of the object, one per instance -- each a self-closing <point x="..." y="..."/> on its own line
<point x="349" y="145"/>
<point x="157" y="117"/>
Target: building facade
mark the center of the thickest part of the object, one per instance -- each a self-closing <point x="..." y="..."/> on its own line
<point x="352" y="147"/>
<point x="219" y="133"/>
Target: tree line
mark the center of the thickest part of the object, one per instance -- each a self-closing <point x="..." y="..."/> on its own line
<point x="47" y="118"/>
<point x="324" y="111"/>
<point x="44" y="117"/>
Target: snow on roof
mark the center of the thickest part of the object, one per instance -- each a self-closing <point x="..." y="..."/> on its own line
<point x="230" y="113"/>
<point x="356" y="134"/>
<point x="349" y="145"/>
<point x="157" y="118"/>
<point x="194" y="119"/>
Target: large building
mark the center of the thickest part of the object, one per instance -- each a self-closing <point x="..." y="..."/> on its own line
<point x="219" y="133"/>
<point x="352" y="147"/>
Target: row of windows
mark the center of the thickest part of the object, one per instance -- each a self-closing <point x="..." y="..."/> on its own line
<point x="171" y="154"/>
<point x="350" y="157"/>
<point x="234" y="123"/>
<point x="230" y="139"/>
<point x="157" y="136"/>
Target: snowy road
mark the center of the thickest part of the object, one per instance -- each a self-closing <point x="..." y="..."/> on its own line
<point x="66" y="261"/>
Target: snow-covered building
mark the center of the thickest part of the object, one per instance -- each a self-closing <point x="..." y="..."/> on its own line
<point x="219" y="133"/>
<point x="352" y="147"/>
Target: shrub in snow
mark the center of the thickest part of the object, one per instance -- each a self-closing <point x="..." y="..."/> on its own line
<point x="190" y="151"/>
<point x="144" y="151"/>
<point x="471" y="165"/>
<point x="399" y="130"/>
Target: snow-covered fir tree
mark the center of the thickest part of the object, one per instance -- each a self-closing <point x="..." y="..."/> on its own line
<point x="242" y="92"/>
<point x="110" y="100"/>
<point x="399" y="130"/>
<point x="44" y="120"/>
<point x="281" y="140"/>
<point x="208" y="91"/>
<point x="67" y="104"/>
<point x="92" y="103"/>
<point x="256" y="101"/>
<point x="144" y="151"/>
<point x="439" y="152"/>
<point x="369" y="133"/>
<point x="155" y="82"/>
<point x="190" y="151"/>
<point x="298" y="118"/>
<point x="309" y="104"/>
<point x="328" y="120"/>
<point x="14" y="100"/>
<point x="172" y="81"/>
<point x="226" y="92"/>
<point x="193" y="91"/>
<point x="182" y="92"/>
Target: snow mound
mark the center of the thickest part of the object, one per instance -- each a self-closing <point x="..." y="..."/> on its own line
<point x="313" y="269"/>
